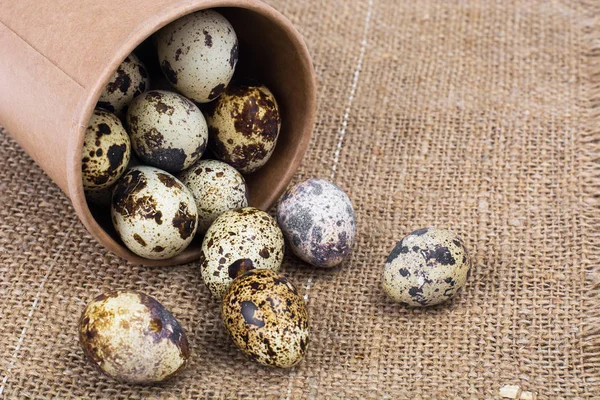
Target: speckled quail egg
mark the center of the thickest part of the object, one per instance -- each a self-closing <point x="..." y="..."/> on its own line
<point x="127" y="82"/>
<point x="217" y="187"/>
<point x="267" y="318"/>
<point x="238" y="241"/>
<point x="106" y="151"/>
<point x="198" y="54"/>
<point x="131" y="337"/>
<point x="426" y="268"/>
<point x="154" y="213"/>
<point x="318" y="221"/>
<point x="167" y="130"/>
<point x="243" y="126"/>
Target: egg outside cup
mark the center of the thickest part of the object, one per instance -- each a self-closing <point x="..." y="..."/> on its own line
<point x="50" y="83"/>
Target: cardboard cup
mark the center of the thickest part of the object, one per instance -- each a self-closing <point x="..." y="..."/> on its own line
<point x="56" y="56"/>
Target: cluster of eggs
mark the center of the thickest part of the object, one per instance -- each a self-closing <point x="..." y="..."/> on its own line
<point x="165" y="195"/>
<point x="168" y="193"/>
<point x="160" y="200"/>
<point x="132" y="337"/>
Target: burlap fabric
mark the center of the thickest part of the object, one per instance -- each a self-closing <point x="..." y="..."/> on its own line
<point x="478" y="116"/>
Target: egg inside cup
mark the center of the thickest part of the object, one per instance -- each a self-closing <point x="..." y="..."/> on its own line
<point x="270" y="51"/>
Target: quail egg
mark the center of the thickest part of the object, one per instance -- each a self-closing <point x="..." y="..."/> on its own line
<point x="267" y="318"/>
<point x="106" y="151"/>
<point x="128" y="81"/>
<point x="198" y="54"/>
<point x="217" y="187"/>
<point x="167" y="130"/>
<point x="318" y="221"/>
<point x="154" y="213"/>
<point x="238" y="241"/>
<point x="426" y="268"/>
<point x="131" y="337"/>
<point x="243" y="126"/>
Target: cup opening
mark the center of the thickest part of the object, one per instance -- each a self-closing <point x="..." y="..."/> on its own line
<point x="272" y="52"/>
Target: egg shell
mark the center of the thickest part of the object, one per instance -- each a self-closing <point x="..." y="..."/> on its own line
<point x="267" y="318"/>
<point x="198" y="54"/>
<point x="217" y="187"/>
<point x="426" y="268"/>
<point x="131" y="337"/>
<point x="106" y="151"/>
<point x="239" y="240"/>
<point x="167" y="130"/>
<point x="154" y="213"/>
<point x="243" y="126"/>
<point x="318" y="221"/>
<point x="127" y="82"/>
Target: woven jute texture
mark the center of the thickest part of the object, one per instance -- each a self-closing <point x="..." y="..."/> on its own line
<point x="481" y="116"/>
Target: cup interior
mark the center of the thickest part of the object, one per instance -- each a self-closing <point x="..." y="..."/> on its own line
<point x="272" y="53"/>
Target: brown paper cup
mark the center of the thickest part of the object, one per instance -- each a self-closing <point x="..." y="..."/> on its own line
<point x="56" y="59"/>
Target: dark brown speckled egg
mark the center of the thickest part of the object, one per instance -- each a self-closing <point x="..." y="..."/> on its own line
<point x="127" y="82"/>
<point x="243" y="126"/>
<point x="267" y="318"/>
<point x="106" y="151"/>
<point x="426" y="268"/>
<point x="131" y="337"/>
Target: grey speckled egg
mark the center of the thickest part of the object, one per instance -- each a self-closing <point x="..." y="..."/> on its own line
<point x="154" y="213"/>
<point x="167" y="130"/>
<point x="128" y="81"/>
<point x="243" y="126"/>
<point x="426" y="268"/>
<point x="106" y="151"/>
<point x="238" y="241"/>
<point x="131" y="337"/>
<point x="317" y="219"/>
<point x="198" y="54"/>
<point x="217" y="187"/>
<point x="267" y="318"/>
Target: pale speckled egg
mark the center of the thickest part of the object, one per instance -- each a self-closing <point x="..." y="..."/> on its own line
<point x="131" y="337"/>
<point x="127" y="82"/>
<point x="426" y="268"/>
<point x="267" y="318"/>
<point x="154" y="213"/>
<point x="198" y="54"/>
<point x="167" y="130"/>
<point x="238" y="241"/>
<point x="217" y="187"/>
<point x="243" y="125"/>
<point x="106" y="151"/>
<point x="318" y="221"/>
